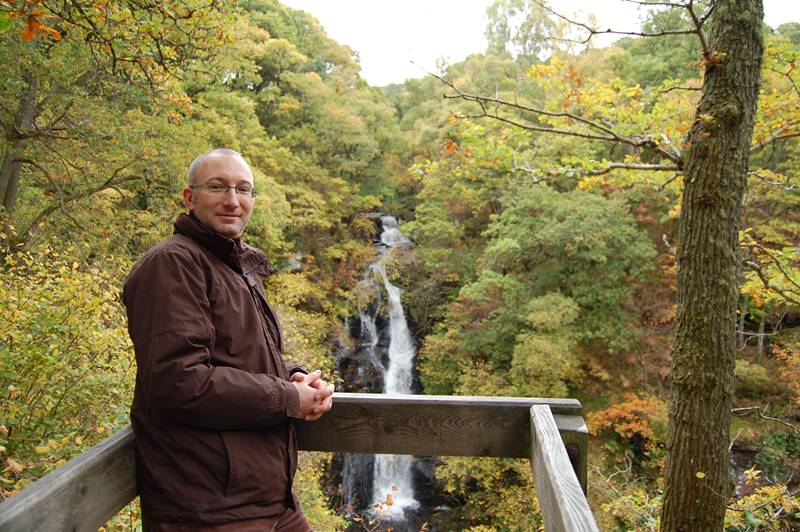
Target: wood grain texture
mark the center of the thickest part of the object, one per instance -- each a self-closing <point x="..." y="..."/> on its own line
<point x="563" y="504"/>
<point x="430" y="425"/>
<point x="79" y="496"/>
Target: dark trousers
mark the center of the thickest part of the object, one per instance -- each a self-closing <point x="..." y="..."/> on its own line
<point x="288" y="521"/>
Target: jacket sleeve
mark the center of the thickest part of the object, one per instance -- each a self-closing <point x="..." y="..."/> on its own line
<point x="294" y="368"/>
<point x="173" y="336"/>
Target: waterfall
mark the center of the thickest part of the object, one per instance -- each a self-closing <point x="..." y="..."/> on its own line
<point x="391" y="475"/>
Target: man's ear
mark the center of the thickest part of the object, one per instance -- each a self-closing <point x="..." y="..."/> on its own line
<point x="187" y="198"/>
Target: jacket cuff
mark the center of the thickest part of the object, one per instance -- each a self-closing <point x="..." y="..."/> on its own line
<point x="292" y="401"/>
<point x="295" y="368"/>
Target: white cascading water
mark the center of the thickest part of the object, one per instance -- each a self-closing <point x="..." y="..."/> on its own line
<point x="392" y="473"/>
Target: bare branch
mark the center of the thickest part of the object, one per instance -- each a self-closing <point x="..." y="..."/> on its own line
<point x="594" y="31"/>
<point x="698" y="25"/>
<point x="605" y="133"/>
<point x="766" y="180"/>
<point x="780" y="134"/>
<point x="663" y="185"/>
<point x="775" y="261"/>
<point x="669" y="246"/>
<point x="788" y="76"/>
<point x="530" y="127"/>
<point x="760" y="410"/>
<point x="634" y="166"/>
<point x="759" y="269"/>
<point x="659" y="4"/>
<point x="46" y="173"/>
<point x="536" y="177"/>
<point x="712" y="5"/>
<point x="680" y="88"/>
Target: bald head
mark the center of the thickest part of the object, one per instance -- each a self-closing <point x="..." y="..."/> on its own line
<point x="198" y="161"/>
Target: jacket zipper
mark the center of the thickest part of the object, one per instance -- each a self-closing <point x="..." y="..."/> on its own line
<point x="268" y="315"/>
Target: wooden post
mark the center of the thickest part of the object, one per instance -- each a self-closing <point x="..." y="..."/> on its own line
<point x="575" y="436"/>
<point x="564" y="506"/>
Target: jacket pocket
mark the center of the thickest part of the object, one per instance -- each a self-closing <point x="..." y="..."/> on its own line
<point x="258" y="465"/>
<point x="227" y="482"/>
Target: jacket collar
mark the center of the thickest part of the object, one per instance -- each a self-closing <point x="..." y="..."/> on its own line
<point x="242" y="258"/>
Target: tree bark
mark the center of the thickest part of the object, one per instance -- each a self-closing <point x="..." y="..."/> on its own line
<point x="715" y="162"/>
<point x="23" y="121"/>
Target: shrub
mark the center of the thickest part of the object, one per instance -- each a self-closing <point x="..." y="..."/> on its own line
<point x="780" y="457"/>
<point x="633" y="430"/>
<point x="751" y="379"/>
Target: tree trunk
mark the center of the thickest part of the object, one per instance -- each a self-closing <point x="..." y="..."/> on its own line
<point x="742" y="314"/>
<point x="715" y="161"/>
<point x="23" y="122"/>
<point x="762" y="327"/>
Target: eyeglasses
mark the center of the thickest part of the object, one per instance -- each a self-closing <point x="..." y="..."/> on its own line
<point x="218" y="189"/>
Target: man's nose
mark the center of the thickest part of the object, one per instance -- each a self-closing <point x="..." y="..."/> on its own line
<point x="231" y="197"/>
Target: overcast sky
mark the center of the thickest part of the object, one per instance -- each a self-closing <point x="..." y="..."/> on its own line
<point x="389" y="34"/>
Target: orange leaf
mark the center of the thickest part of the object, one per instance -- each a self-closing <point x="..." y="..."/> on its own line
<point x="450" y="147"/>
<point x="32" y="26"/>
<point x="52" y="32"/>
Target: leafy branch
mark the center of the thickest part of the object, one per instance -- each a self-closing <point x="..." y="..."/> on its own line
<point x="61" y="202"/>
<point x="599" y="131"/>
<point x="789" y="294"/>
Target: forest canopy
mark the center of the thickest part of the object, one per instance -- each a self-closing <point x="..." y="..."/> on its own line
<point x="543" y="196"/>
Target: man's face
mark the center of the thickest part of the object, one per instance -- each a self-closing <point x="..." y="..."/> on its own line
<point x="229" y="213"/>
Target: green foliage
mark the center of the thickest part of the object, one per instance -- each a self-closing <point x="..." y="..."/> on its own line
<point x="792" y="31"/>
<point x="499" y="494"/>
<point x="650" y="62"/>
<point x="770" y="507"/>
<point x="579" y="244"/>
<point x="544" y="361"/>
<point x="779" y="458"/>
<point x="633" y="508"/>
<point x="66" y="363"/>
<point x="520" y="28"/>
<point x="307" y="486"/>
<point x="567" y="262"/>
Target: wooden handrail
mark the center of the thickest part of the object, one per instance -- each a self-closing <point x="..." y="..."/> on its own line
<point x="81" y="495"/>
<point x="91" y="488"/>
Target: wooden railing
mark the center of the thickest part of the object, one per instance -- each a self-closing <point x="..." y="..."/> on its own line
<point x="91" y="488"/>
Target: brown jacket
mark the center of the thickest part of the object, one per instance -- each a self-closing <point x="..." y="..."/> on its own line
<point x="212" y="404"/>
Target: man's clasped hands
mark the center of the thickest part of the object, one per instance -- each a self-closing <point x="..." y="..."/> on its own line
<point x="316" y="395"/>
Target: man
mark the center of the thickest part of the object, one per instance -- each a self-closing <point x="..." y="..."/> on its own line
<point x="214" y="400"/>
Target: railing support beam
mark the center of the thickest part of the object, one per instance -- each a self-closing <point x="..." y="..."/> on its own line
<point x="561" y="499"/>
